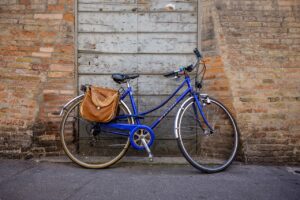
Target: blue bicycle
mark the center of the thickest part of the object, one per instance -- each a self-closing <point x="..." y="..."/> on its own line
<point x="206" y="131"/>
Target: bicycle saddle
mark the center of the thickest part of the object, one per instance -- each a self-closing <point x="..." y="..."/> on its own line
<point x="122" y="78"/>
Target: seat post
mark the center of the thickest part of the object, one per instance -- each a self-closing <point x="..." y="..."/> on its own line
<point x="128" y="84"/>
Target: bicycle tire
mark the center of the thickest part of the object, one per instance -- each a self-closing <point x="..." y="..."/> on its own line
<point x="78" y="159"/>
<point x="214" y="149"/>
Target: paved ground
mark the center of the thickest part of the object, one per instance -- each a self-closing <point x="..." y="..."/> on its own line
<point x="45" y="180"/>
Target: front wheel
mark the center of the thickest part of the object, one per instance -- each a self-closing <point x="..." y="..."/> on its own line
<point x="205" y="150"/>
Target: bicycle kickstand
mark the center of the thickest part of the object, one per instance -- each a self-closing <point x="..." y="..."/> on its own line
<point x="147" y="149"/>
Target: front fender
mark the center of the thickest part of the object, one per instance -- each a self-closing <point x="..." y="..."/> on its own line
<point x="176" y="122"/>
<point x="202" y="97"/>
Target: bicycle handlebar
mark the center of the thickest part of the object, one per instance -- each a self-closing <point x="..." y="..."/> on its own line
<point x="197" y="53"/>
<point x="188" y="68"/>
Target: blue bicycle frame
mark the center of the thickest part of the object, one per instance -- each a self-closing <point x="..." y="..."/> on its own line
<point x="137" y="115"/>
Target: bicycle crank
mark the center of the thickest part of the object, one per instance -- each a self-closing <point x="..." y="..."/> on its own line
<point x="142" y="139"/>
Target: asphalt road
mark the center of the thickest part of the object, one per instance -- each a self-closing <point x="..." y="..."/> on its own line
<point x="44" y="180"/>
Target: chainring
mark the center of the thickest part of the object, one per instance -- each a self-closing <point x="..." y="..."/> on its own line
<point x="137" y="135"/>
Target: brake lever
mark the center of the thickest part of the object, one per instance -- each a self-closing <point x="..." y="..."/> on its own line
<point x="177" y="76"/>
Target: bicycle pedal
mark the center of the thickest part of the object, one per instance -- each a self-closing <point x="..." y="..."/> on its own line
<point x="150" y="158"/>
<point x="208" y="132"/>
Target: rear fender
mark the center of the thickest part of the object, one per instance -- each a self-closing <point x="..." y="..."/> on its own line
<point x="69" y="103"/>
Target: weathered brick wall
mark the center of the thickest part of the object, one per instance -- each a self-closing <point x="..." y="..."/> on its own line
<point x="36" y="74"/>
<point x="216" y="82"/>
<point x="259" y="42"/>
<point x="253" y="54"/>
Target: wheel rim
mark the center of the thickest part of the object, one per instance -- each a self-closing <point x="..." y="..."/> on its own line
<point x="88" y="146"/>
<point x="208" y="152"/>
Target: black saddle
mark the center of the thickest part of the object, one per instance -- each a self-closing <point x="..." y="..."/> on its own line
<point x="122" y="78"/>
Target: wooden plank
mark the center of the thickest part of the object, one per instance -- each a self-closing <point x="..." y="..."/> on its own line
<point x="168" y="42"/>
<point x="139" y="5"/>
<point x="104" y="81"/>
<point x="134" y="43"/>
<point x="149" y="63"/>
<point x="149" y="102"/>
<point x="108" y="42"/>
<point x="146" y="84"/>
<point x="156" y="85"/>
<point x="160" y="5"/>
<point x="107" y="63"/>
<point x="132" y="22"/>
<point x="107" y="5"/>
<point x="167" y="22"/>
<point x="109" y="1"/>
<point x="107" y="22"/>
<point x="132" y="63"/>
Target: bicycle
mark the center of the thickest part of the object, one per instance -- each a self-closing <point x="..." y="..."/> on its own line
<point x="205" y="130"/>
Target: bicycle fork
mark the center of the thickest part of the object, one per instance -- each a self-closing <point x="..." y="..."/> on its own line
<point x="200" y="108"/>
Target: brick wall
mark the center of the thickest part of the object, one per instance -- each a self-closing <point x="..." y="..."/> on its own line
<point x="252" y="49"/>
<point x="37" y="73"/>
<point x="259" y="42"/>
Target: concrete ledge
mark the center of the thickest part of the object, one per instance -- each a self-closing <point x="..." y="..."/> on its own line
<point x="129" y="159"/>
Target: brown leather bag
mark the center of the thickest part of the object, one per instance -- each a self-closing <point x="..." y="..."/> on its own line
<point x="99" y="104"/>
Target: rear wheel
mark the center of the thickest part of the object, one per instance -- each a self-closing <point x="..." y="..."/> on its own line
<point x="87" y="144"/>
<point x="205" y="150"/>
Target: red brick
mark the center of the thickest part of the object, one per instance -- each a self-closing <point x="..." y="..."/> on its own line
<point x="48" y="16"/>
<point x="25" y="2"/>
<point x="62" y="67"/>
<point x="60" y="74"/>
<point x="47" y="49"/>
<point x="69" y="17"/>
<point x="41" y="54"/>
<point x="56" y="7"/>
<point x="48" y="34"/>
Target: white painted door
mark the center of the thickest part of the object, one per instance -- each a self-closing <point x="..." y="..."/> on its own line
<point x="137" y="36"/>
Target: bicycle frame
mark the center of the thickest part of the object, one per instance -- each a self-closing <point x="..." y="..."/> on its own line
<point x="137" y="115"/>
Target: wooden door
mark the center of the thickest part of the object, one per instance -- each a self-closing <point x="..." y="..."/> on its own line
<point x="138" y="36"/>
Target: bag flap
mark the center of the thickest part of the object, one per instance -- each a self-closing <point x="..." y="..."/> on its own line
<point x="102" y="97"/>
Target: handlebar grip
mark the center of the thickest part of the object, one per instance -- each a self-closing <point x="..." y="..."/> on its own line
<point x="197" y="53"/>
<point x="189" y="68"/>
<point x="169" y="74"/>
